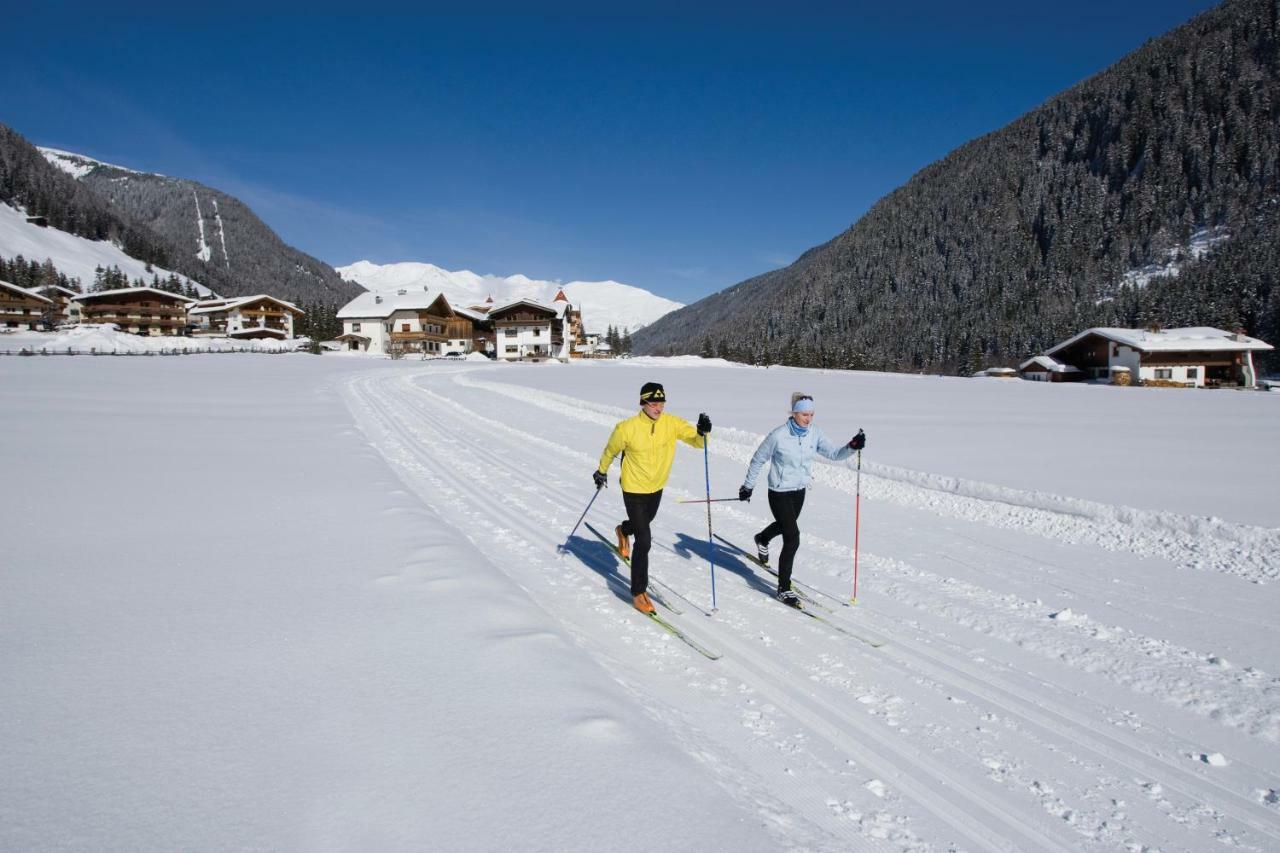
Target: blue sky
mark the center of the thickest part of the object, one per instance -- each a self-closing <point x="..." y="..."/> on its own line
<point x="681" y="148"/>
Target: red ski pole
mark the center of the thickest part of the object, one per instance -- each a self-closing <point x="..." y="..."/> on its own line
<point x="857" y="527"/>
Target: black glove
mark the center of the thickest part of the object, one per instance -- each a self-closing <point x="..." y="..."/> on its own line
<point x="859" y="441"/>
<point x="601" y="478"/>
<point x="704" y="424"/>
<point x="744" y="494"/>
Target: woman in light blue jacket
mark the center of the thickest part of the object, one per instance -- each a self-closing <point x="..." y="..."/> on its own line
<point x="789" y="450"/>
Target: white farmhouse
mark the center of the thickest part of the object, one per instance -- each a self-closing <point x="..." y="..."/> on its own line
<point x="527" y="330"/>
<point x="260" y="316"/>
<point x="1195" y="356"/>
<point x="410" y="321"/>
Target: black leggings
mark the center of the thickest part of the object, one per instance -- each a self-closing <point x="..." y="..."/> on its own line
<point x="785" y="507"/>
<point x="641" y="508"/>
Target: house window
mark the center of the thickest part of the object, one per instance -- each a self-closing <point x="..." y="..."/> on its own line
<point x="512" y="349"/>
<point x="1164" y="373"/>
<point x="1193" y="373"/>
<point x="355" y="327"/>
<point x="510" y="333"/>
<point x="404" y="327"/>
<point x="537" y="333"/>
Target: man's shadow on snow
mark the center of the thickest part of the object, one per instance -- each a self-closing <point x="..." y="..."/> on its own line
<point x="601" y="559"/>
<point x="726" y="558"/>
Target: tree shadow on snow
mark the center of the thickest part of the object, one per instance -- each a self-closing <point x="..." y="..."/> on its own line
<point x="726" y="558"/>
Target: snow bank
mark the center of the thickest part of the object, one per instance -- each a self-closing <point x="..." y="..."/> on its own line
<point x="107" y="338"/>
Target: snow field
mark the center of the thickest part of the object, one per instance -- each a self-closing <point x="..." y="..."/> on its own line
<point x="936" y="678"/>
<point x="360" y="635"/>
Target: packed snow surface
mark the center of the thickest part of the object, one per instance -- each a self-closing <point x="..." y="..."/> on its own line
<point x="603" y="303"/>
<point x="316" y="603"/>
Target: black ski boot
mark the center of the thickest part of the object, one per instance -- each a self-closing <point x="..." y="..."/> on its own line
<point x="790" y="599"/>
<point x="762" y="550"/>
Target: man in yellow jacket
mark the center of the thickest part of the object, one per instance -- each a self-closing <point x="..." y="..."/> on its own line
<point x="647" y="443"/>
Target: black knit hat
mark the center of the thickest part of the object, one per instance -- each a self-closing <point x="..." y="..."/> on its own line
<point x="651" y="392"/>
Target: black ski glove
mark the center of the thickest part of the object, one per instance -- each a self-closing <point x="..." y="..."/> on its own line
<point x="859" y="441"/>
<point x="744" y="494"/>
<point x="704" y="424"/>
<point x="601" y="478"/>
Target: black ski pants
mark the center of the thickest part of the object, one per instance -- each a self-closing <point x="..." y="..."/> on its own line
<point x="641" y="508"/>
<point x="785" y="507"/>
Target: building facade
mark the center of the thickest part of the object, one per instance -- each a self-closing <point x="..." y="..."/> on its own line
<point x="244" y="317"/>
<point x="23" y="309"/>
<point x="140" y="310"/>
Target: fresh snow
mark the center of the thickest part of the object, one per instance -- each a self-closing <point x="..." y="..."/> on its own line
<point x="1201" y="243"/>
<point x="78" y="165"/>
<point x="354" y="631"/>
<point x="203" y="252"/>
<point x="75" y="256"/>
<point x="603" y="303"/>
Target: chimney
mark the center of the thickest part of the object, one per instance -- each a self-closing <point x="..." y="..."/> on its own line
<point x="377" y="300"/>
<point x="401" y="292"/>
<point x="1239" y="335"/>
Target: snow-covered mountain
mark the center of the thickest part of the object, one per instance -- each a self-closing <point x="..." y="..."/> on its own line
<point x="210" y="235"/>
<point x="76" y="257"/>
<point x="603" y="303"/>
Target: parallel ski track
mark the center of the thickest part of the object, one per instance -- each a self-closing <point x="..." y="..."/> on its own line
<point x="1203" y="544"/>
<point x="928" y="783"/>
<point x="958" y="675"/>
<point x="1265" y="723"/>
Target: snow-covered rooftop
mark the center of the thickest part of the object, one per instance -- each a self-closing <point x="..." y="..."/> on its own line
<point x="214" y="306"/>
<point x="22" y="291"/>
<point x="1050" y="364"/>
<point x="384" y="304"/>
<point x="132" y="291"/>
<point x="558" y="308"/>
<point x="1171" y="340"/>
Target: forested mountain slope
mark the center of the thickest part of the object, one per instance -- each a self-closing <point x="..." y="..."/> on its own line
<point x="1147" y="193"/>
<point x="169" y="222"/>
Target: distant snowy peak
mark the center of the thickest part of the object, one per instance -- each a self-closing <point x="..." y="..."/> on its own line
<point x="78" y="165"/>
<point x="603" y="303"/>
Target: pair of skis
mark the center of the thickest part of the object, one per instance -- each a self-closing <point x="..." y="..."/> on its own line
<point x="874" y="642"/>
<point x="662" y="622"/>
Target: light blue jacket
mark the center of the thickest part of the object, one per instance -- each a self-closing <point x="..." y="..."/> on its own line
<point x="791" y="457"/>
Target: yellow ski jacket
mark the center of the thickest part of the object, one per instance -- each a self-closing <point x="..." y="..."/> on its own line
<point x="648" y="447"/>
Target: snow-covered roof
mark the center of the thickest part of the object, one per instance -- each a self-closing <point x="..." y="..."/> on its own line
<point x="471" y="314"/>
<point x="558" y="309"/>
<point x="257" y="332"/>
<point x="1050" y="364"/>
<point x="132" y="291"/>
<point x="1171" y="340"/>
<point x="66" y="290"/>
<point x="214" y="306"/>
<point x="381" y="305"/>
<point x="22" y="291"/>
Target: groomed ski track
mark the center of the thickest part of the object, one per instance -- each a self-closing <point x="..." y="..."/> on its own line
<point x="970" y="729"/>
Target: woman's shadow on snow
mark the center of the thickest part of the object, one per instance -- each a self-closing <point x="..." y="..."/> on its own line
<point x="726" y="558"/>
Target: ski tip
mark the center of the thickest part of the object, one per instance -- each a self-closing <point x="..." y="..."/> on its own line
<point x="853" y="601"/>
